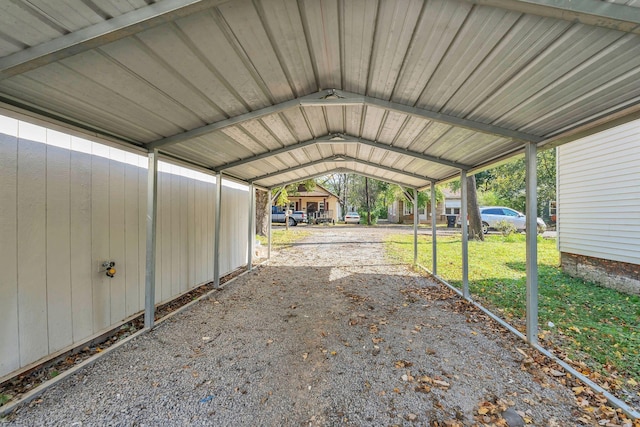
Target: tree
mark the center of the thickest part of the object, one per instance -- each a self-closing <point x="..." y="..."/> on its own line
<point x="262" y="212"/>
<point x="473" y="210"/>
<point x="508" y="182"/>
<point x="338" y="184"/>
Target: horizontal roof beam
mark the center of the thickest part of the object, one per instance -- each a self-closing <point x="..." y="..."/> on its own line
<point x="590" y="12"/>
<point x="340" y="158"/>
<point x="340" y="170"/>
<point x="343" y="139"/>
<point x="100" y="34"/>
<point x="336" y="98"/>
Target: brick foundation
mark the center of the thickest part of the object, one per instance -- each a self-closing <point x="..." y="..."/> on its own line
<point x="622" y="276"/>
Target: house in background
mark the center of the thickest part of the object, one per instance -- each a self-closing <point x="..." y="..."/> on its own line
<point x="400" y="212"/>
<point x="318" y="202"/>
<point x="598" y="210"/>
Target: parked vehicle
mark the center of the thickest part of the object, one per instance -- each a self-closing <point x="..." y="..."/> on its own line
<point x="279" y="216"/>
<point x="492" y="215"/>
<point x="352" y="218"/>
<point x="299" y="216"/>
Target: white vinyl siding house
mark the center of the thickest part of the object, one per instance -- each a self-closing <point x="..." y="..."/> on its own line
<point x="599" y="195"/>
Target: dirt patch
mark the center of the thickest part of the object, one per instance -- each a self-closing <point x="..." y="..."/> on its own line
<point x="329" y="333"/>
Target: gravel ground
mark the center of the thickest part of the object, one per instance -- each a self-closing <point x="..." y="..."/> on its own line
<point x="330" y="332"/>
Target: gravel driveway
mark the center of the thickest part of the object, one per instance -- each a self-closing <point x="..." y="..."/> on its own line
<point x="330" y="332"/>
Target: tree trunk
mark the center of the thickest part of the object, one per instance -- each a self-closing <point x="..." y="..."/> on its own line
<point x="366" y="191"/>
<point x="262" y="212"/>
<point x="473" y="210"/>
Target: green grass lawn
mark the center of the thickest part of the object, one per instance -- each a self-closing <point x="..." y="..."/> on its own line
<point x="283" y="238"/>
<point x="594" y="324"/>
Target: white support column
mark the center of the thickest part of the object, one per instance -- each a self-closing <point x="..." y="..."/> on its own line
<point x="416" y="221"/>
<point x="152" y="212"/>
<point x="251" y="232"/>
<point x="532" y="243"/>
<point x="269" y="226"/>
<point x="434" y="248"/>
<point x="465" y="235"/>
<point x="216" y="240"/>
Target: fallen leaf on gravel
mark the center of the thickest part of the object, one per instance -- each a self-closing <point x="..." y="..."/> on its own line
<point x="557" y="373"/>
<point x="578" y="390"/>
<point x="304" y="356"/>
<point x="402" y="364"/>
<point x="333" y="353"/>
<point x="423" y="388"/>
<point x="430" y="351"/>
<point x="373" y="328"/>
<point x="377" y="340"/>
<point x="442" y="384"/>
<point x="269" y="342"/>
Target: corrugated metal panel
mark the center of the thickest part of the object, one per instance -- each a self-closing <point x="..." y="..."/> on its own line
<point x="598" y="195"/>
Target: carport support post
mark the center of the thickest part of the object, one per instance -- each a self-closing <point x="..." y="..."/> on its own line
<point x="251" y="233"/>
<point x="465" y="235"/>
<point x="152" y="210"/>
<point x="416" y="221"/>
<point x="216" y="238"/>
<point x="434" y="248"/>
<point x="269" y="226"/>
<point x="532" y="243"/>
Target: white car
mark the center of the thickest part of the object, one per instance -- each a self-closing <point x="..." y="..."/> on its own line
<point x="352" y="218"/>
<point x="492" y="215"/>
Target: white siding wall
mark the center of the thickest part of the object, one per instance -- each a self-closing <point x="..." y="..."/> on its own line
<point x="66" y="206"/>
<point x="599" y="195"/>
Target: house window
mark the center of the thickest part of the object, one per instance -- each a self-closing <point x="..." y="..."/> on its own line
<point x="452" y="211"/>
<point x="321" y="206"/>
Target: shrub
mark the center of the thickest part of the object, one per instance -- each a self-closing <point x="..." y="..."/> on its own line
<point x="505" y="227"/>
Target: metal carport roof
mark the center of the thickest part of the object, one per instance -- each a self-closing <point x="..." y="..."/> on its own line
<point x="275" y="91"/>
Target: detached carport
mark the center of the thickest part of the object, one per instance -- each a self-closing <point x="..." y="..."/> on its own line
<point x="273" y="92"/>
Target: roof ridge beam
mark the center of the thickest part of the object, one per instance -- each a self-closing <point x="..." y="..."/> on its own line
<point x="338" y="98"/>
<point x="597" y="13"/>
<point x="344" y="139"/>
<point x="99" y="34"/>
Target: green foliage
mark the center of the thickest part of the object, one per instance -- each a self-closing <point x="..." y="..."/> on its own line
<point x="381" y="212"/>
<point x="505" y="227"/>
<point x="363" y="217"/>
<point x="504" y="185"/>
<point x="4" y="398"/>
<point x="592" y="323"/>
<point x="489" y="198"/>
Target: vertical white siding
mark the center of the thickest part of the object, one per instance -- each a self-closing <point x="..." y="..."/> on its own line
<point x="599" y="195"/>
<point x="32" y="239"/>
<point x="68" y="205"/>
<point x="9" y="337"/>
<point x="58" y="227"/>
<point x="80" y="236"/>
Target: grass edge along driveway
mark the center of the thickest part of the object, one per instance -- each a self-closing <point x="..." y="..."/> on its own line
<point x="587" y="322"/>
